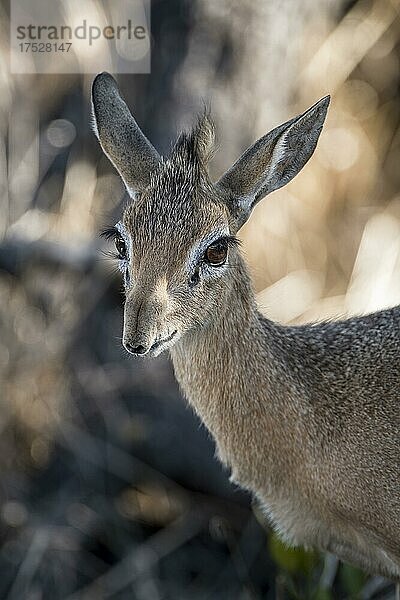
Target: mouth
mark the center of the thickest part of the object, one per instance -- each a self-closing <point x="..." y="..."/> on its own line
<point x="160" y="345"/>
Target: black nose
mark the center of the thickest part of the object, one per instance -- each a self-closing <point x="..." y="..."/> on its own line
<point x="139" y="349"/>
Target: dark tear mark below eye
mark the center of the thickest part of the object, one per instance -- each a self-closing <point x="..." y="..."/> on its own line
<point x="195" y="277"/>
<point x="127" y="276"/>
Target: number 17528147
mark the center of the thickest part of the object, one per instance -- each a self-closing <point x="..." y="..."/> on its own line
<point x="45" y="46"/>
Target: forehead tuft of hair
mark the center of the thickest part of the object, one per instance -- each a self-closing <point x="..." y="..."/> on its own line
<point x="180" y="173"/>
<point x="196" y="146"/>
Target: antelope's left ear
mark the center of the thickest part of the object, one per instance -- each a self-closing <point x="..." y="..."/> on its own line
<point x="272" y="161"/>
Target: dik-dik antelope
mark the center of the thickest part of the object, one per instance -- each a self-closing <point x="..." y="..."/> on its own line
<point x="306" y="417"/>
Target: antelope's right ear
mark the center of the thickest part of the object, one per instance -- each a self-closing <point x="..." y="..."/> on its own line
<point x="120" y="136"/>
<point x="272" y="161"/>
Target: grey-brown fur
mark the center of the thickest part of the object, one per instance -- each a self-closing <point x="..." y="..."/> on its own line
<point x="307" y="418"/>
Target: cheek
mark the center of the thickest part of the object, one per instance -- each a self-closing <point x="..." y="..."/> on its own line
<point x="215" y="290"/>
<point x="214" y="275"/>
<point x="196" y="299"/>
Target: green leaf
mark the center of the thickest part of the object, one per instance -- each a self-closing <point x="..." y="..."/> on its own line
<point x="322" y="594"/>
<point x="292" y="560"/>
<point x="352" y="579"/>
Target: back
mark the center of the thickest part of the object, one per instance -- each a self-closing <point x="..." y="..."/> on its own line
<point x="350" y="365"/>
<point x="347" y="373"/>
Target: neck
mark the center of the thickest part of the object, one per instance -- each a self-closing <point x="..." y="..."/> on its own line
<point x="226" y="371"/>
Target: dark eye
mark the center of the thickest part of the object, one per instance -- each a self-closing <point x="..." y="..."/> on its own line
<point x="216" y="253"/>
<point x="121" y="247"/>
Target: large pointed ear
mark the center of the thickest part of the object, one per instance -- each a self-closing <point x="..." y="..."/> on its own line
<point x="272" y="161"/>
<point x="120" y="136"/>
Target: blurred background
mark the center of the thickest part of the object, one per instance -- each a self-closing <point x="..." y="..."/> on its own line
<point x="108" y="483"/>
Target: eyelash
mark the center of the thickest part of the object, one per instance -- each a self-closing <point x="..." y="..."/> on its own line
<point x="108" y="233"/>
